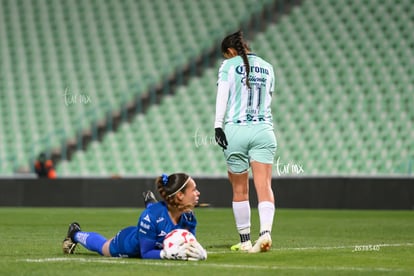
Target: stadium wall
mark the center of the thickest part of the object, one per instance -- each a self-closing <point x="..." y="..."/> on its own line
<point x="290" y="192"/>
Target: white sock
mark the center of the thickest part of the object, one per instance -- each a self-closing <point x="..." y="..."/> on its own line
<point x="241" y="211"/>
<point x="266" y="214"/>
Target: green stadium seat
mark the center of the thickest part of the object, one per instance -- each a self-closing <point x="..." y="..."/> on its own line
<point x="344" y="79"/>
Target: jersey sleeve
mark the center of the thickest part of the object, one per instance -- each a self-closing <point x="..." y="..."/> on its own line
<point x="147" y="235"/>
<point x="147" y="249"/>
<point x="222" y="95"/>
<point x="223" y="72"/>
<point x="221" y="103"/>
<point x="272" y="84"/>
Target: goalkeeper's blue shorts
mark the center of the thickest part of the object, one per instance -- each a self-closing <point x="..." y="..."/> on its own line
<point x="125" y="244"/>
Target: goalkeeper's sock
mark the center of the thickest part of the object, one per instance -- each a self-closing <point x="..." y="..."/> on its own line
<point x="241" y="211"/>
<point x="90" y="240"/>
<point x="266" y="214"/>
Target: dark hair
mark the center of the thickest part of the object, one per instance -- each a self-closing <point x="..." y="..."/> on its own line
<point x="237" y="42"/>
<point x="169" y="186"/>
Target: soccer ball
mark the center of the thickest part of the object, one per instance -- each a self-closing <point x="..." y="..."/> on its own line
<point x="176" y="238"/>
<point x="181" y="244"/>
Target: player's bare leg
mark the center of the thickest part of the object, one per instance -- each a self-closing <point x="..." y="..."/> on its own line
<point x="240" y="185"/>
<point x="262" y="177"/>
<point x="105" y="248"/>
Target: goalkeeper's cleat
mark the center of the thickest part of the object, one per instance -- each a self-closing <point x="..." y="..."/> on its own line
<point x="74" y="227"/>
<point x="263" y="244"/>
<point x="69" y="244"/>
<point x="149" y="198"/>
<point x="242" y="246"/>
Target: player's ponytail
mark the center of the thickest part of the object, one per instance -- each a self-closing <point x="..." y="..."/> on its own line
<point x="236" y="41"/>
<point x="169" y="186"/>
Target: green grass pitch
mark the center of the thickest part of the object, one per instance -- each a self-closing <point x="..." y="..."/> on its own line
<point x="305" y="242"/>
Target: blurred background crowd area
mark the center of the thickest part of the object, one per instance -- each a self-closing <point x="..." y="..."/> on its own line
<point x="128" y="88"/>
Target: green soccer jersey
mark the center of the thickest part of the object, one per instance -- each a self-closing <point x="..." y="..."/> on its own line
<point x="248" y="105"/>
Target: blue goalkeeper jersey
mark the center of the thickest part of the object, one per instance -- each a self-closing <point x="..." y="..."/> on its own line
<point x="155" y="223"/>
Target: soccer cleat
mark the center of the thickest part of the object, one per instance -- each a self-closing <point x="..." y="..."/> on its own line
<point x="69" y="244"/>
<point x="263" y="244"/>
<point x="242" y="246"/>
<point x="149" y="198"/>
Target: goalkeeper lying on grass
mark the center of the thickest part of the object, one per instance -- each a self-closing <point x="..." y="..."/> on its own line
<point x="145" y="240"/>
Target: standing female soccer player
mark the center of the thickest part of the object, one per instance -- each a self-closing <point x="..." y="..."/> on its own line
<point x="145" y="240"/>
<point x="243" y="108"/>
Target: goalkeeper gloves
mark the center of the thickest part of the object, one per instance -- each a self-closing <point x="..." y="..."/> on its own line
<point x="192" y="251"/>
<point x="179" y="254"/>
<point x="221" y="137"/>
<point x="196" y="252"/>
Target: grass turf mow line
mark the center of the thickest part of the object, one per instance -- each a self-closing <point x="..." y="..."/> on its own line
<point x="215" y="265"/>
<point x="327" y="248"/>
<point x="120" y="261"/>
<point x="306" y="242"/>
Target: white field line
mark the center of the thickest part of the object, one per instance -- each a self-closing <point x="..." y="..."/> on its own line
<point x="325" y="247"/>
<point x="232" y="266"/>
<point x="207" y="264"/>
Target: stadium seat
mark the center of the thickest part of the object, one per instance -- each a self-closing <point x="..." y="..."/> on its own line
<point x="344" y="83"/>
